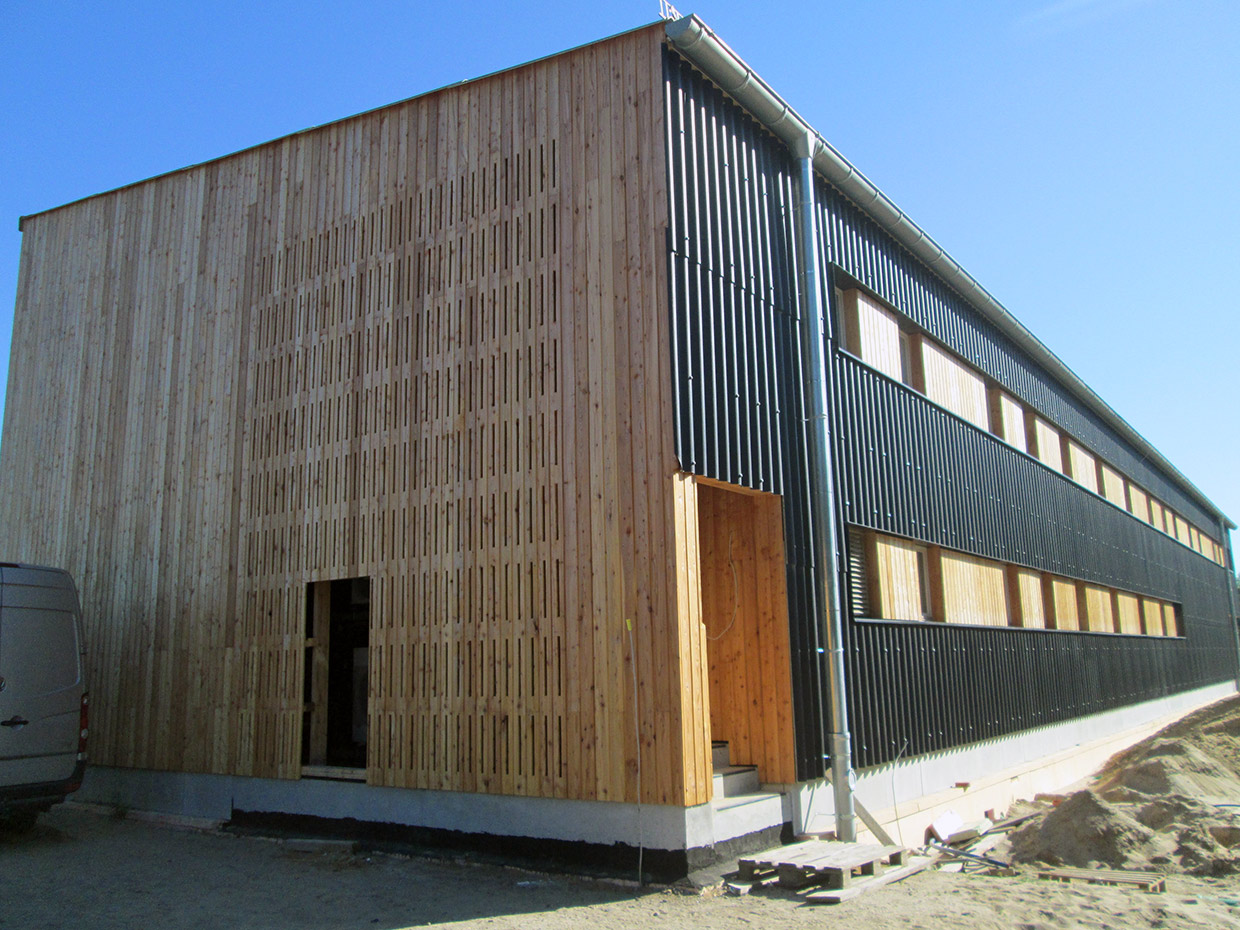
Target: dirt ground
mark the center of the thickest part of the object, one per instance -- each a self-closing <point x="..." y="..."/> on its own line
<point x="1168" y="805"/>
<point x="81" y="867"/>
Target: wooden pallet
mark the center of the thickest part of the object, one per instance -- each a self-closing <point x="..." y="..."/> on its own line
<point x="820" y="863"/>
<point x="890" y="876"/>
<point x="1149" y="882"/>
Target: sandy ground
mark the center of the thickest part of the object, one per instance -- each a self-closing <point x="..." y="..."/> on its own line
<point x="83" y="868"/>
<point x="1168" y="804"/>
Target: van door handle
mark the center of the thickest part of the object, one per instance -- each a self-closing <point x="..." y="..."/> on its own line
<point x="15" y="722"/>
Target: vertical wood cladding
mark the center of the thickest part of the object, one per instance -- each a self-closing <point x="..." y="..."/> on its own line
<point x="424" y="345"/>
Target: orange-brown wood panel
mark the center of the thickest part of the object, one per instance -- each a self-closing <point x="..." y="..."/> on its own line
<point x="1044" y="442"/>
<point x="872" y="332"/>
<point x="974" y="590"/>
<point x="1067" y="605"/>
<point x="694" y="721"/>
<point x="745" y="614"/>
<point x="955" y="385"/>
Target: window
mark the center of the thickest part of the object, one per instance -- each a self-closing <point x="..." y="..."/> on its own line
<point x="1158" y="515"/>
<point x="911" y="372"/>
<point x="954" y="385"/>
<point x="872" y="333"/>
<point x="900" y="579"/>
<point x="1096" y="608"/>
<point x="1128" y="611"/>
<point x="1111" y="484"/>
<point x="1007" y="419"/>
<point x="1152" y="616"/>
<point x="1173" y="621"/>
<point x="1067" y="606"/>
<point x="974" y="590"/>
<point x="1181" y="530"/>
<point x="885" y="340"/>
<point x="1026" y="597"/>
<point x="1081" y="467"/>
<point x="1044" y="443"/>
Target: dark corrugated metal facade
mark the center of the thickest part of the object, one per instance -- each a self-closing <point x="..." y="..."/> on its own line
<point x="904" y="465"/>
<point x="736" y="334"/>
<point x="907" y="467"/>
<point x="860" y="246"/>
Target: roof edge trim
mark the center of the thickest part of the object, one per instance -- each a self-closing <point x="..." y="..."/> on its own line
<point x="245" y="150"/>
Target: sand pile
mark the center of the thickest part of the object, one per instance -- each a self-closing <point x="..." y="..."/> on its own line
<point x="1159" y="806"/>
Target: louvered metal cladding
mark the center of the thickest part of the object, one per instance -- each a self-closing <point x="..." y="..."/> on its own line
<point x="730" y="239"/>
<point x="736" y="337"/>
<point x="924" y="687"/>
<point x="858" y="574"/>
<point x="857" y="244"/>
<point x="910" y="468"/>
<point x="903" y="465"/>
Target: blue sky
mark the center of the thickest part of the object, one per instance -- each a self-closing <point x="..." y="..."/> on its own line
<point x="1078" y="157"/>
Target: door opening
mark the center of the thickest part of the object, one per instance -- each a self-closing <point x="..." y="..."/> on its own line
<point x="745" y="620"/>
<point x="337" y="670"/>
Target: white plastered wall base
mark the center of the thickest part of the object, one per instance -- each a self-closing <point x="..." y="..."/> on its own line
<point x="213" y="798"/>
<point x="908" y="796"/>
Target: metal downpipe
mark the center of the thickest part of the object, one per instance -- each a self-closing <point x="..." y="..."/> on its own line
<point x="822" y="493"/>
<point x="1230" y="568"/>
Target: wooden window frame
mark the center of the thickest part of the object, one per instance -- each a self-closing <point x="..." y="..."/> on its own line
<point x="911" y="346"/>
<point x="929" y="562"/>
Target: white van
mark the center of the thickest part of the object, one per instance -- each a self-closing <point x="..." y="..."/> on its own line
<point x="42" y="693"/>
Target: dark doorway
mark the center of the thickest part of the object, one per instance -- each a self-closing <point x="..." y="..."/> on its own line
<point x="337" y="673"/>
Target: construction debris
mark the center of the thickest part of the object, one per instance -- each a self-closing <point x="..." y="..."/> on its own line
<point x="1150" y="882"/>
<point x="819" y="863"/>
<point x="1159" y="806"/>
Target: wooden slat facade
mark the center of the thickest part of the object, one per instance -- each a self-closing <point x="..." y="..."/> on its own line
<point x="426" y="346"/>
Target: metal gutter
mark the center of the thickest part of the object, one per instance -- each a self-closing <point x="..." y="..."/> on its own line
<point x="697" y="42"/>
